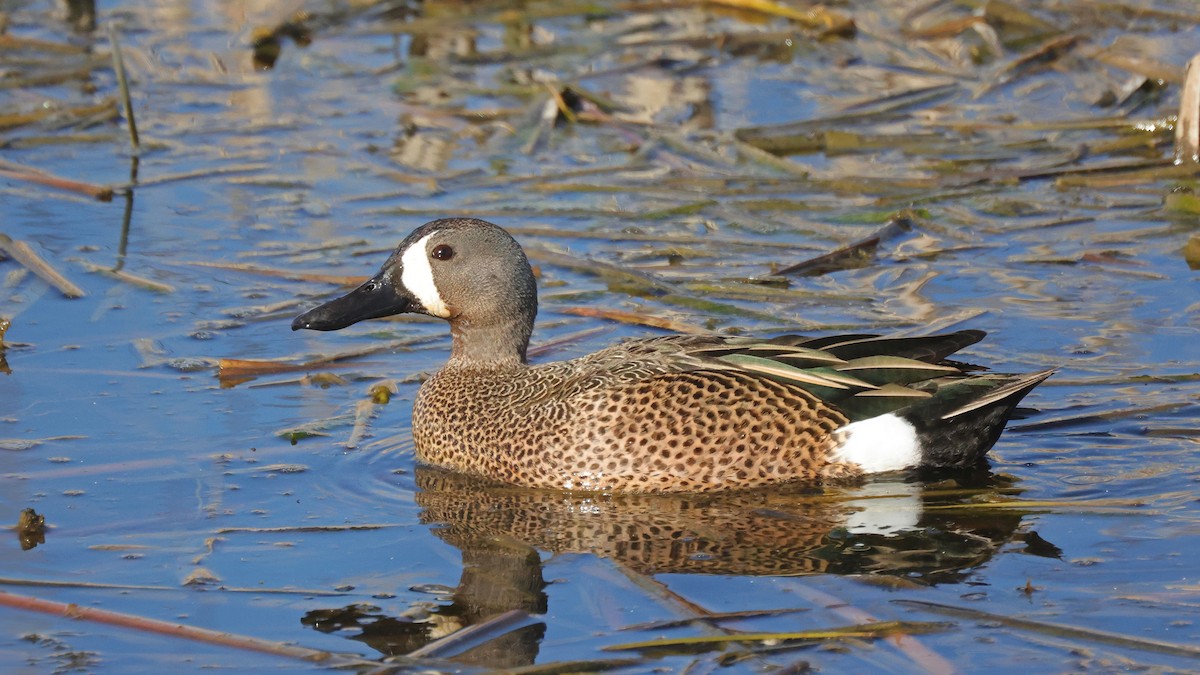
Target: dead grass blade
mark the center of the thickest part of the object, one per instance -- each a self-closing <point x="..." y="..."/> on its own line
<point x="129" y="278"/>
<point x="571" y="667"/>
<point x="1053" y="222"/>
<point x="474" y="635"/>
<point x="712" y="618"/>
<point x="1058" y="630"/>
<point x="1081" y="124"/>
<point x="1041" y="55"/>
<point x="307" y="529"/>
<point x="635" y="318"/>
<point x="901" y="101"/>
<point x="235" y="371"/>
<point x="174" y="629"/>
<point x="336" y="279"/>
<point x="19" y="444"/>
<point x="12" y="43"/>
<point x="661" y="593"/>
<point x="537" y="181"/>
<point x="514" y="212"/>
<point x="765" y="289"/>
<point x="636" y="283"/>
<point x="25" y="255"/>
<point x="852" y="255"/>
<point x="31" y="175"/>
<point x="55" y="76"/>
<point x="1068" y="172"/>
<point x="1107" y="416"/>
<point x="123" y="86"/>
<point x="1017" y="19"/>
<point x="1127" y="379"/>
<point x="867" y="630"/>
<point x="665" y="239"/>
<point x="825" y="21"/>
<point x="275" y="249"/>
<point x="812" y="135"/>
<point x="1154" y="172"/>
<point x="41" y="583"/>
<point x="268" y="311"/>
<point x="232" y="170"/>
<point x="1130" y="506"/>
<point x="1140" y="65"/>
<point x="14" y="120"/>
<point x="153" y="355"/>
<point x="232" y="372"/>
<point x="930" y="661"/>
<point x="672" y="601"/>
<point x="754" y="154"/>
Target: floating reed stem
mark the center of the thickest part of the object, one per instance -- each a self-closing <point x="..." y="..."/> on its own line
<point x="1059" y="630"/>
<point x="123" y="85"/>
<point x="26" y="256"/>
<point x="148" y="625"/>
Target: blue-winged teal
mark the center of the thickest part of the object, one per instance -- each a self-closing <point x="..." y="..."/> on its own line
<point x="676" y="413"/>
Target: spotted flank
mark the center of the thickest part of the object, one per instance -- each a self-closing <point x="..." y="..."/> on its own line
<point x="672" y="413"/>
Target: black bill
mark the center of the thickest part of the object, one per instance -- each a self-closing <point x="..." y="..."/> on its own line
<point x="375" y="298"/>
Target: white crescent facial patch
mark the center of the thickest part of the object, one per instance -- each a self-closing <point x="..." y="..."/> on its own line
<point x="418" y="278"/>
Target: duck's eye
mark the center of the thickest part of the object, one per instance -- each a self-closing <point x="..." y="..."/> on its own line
<point x="443" y="252"/>
<point x="371" y="285"/>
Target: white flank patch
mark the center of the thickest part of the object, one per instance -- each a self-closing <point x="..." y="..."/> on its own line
<point x="884" y="443"/>
<point x="886" y="509"/>
<point x="418" y="278"/>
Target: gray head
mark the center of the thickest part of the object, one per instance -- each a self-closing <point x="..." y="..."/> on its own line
<point x="470" y="272"/>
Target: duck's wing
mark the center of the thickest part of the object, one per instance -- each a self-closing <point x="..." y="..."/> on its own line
<point x="867" y="375"/>
<point x="929" y="348"/>
<point x="862" y="376"/>
<point x="955" y="413"/>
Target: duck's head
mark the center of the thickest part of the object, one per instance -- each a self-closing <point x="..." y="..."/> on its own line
<point x="468" y="271"/>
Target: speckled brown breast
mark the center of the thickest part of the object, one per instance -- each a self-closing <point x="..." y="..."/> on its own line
<point x="623" y="419"/>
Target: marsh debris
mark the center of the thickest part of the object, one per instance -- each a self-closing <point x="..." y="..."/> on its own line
<point x="31" y="529"/>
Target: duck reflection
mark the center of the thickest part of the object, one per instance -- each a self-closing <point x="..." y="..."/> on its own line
<point x="891" y="530"/>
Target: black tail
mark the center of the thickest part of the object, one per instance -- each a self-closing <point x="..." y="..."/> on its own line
<point x="964" y="420"/>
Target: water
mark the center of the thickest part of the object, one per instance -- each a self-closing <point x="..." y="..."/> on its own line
<point x="173" y="497"/>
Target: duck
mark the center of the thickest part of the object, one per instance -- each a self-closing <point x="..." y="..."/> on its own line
<point x="669" y="413"/>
